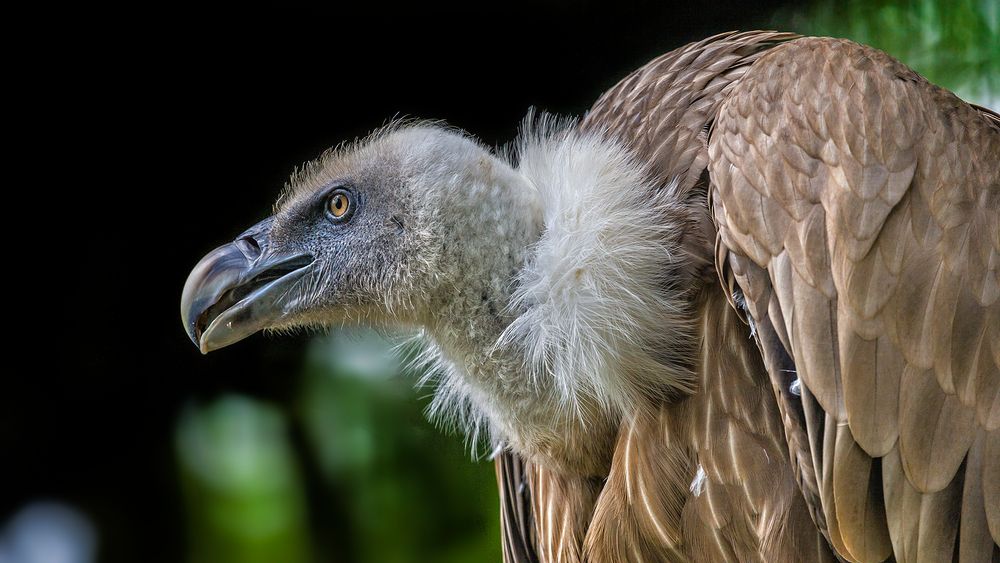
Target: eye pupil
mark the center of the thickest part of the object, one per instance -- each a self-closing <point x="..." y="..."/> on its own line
<point x="339" y="204"/>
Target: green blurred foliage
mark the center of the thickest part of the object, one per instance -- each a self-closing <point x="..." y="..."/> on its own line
<point x="413" y="493"/>
<point x="399" y="490"/>
<point x="241" y="484"/>
<point x="954" y="43"/>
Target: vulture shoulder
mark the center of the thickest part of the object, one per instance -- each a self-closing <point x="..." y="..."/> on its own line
<point x="858" y="212"/>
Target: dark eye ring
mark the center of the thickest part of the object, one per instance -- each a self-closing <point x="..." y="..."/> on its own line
<point x="339" y="205"/>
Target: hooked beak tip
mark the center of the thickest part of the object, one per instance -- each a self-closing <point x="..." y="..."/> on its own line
<point x="231" y="294"/>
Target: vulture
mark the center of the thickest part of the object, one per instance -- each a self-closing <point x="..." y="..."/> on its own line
<point x="746" y="308"/>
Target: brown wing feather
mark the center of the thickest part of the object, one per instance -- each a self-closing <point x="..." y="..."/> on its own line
<point x="544" y="514"/>
<point x="707" y="478"/>
<point x="562" y="506"/>
<point x="737" y="434"/>
<point x="662" y="109"/>
<point x="516" y="520"/>
<point x="858" y="207"/>
<point x="638" y="515"/>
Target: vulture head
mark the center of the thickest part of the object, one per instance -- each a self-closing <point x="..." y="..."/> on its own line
<point x="547" y="279"/>
<point x="363" y="234"/>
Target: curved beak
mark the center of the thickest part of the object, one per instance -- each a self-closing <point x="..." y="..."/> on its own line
<point x="240" y="288"/>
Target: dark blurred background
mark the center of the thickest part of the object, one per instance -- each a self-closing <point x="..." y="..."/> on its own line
<point x="151" y="138"/>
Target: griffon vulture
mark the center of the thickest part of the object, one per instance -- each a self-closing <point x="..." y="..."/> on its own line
<point x="746" y="309"/>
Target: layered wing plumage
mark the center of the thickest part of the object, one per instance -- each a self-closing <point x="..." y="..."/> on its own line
<point x="702" y="478"/>
<point x="516" y="519"/>
<point x="858" y="209"/>
<point x="705" y="478"/>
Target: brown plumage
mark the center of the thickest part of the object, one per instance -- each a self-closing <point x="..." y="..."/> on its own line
<point x="851" y="214"/>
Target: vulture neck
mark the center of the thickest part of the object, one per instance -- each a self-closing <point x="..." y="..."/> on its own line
<point x="561" y="305"/>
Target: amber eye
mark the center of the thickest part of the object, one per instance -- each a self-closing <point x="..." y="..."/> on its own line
<point x="339" y="204"/>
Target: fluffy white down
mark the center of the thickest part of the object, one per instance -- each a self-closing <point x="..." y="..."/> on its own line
<point x="602" y="309"/>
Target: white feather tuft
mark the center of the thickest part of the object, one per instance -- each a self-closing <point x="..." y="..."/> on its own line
<point x="602" y="309"/>
<point x="698" y="483"/>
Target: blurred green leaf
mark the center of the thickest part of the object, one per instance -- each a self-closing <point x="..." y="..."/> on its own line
<point x="954" y="43"/>
<point x="412" y="492"/>
<point x="241" y="484"/>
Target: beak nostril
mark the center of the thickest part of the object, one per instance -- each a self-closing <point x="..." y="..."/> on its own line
<point x="250" y="247"/>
